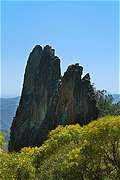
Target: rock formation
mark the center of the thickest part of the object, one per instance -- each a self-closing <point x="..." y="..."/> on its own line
<point x="48" y="99"/>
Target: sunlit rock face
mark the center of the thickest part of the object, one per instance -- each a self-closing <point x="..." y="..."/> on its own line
<point x="48" y="99"/>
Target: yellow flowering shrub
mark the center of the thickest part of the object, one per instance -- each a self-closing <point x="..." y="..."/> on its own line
<point x="15" y="166"/>
<point x="71" y="152"/>
<point x="98" y="153"/>
<point x="89" y="152"/>
<point x="2" y="140"/>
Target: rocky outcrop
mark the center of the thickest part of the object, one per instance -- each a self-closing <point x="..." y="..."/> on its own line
<point x="48" y="99"/>
<point x="74" y="100"/>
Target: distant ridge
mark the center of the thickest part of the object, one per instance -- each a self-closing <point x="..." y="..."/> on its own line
<point x="116" y="98"/>
<point x="8" y="108"/>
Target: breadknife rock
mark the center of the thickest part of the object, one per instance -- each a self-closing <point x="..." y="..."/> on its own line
<point x="48" y="99"/>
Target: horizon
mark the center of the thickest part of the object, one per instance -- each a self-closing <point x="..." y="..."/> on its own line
<point x="85" y="33"/>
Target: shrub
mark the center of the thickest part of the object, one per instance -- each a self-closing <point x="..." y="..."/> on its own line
<point x="99" y="152"/>
<point x="73" y="152"/>
<point x="16" y="166"/>
<point x="2" y="140"/>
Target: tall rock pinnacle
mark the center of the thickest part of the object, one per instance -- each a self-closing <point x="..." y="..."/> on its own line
<point x="48" y="100"/>
<point x="40" y="81"/>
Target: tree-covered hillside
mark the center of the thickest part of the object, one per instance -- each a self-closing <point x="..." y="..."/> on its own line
<point x="106" y="103"/>
<point x="71" y="152"/>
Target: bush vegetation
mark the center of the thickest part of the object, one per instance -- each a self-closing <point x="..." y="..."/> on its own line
<point x="106" y="104"/>
<point x="71" y="152"/>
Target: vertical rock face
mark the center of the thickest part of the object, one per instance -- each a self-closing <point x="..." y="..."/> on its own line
<point x="40" y="81"/>
<point x="48" y="100"/>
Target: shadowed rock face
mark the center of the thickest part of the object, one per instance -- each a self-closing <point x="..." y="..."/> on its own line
<point x="40" y="81"/>
<point x="48" y="100"/>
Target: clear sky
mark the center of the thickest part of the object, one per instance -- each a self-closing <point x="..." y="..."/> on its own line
<point x="81" y="32"/>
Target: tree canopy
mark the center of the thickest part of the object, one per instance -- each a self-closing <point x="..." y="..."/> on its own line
<point x="105" y="103"/>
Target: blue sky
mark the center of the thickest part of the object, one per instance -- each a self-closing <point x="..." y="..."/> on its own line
<point x="81" y="32"/>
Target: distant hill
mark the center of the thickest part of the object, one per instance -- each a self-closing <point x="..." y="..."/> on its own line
<point x="116" y="97"/>
<point x="8" y="108"/>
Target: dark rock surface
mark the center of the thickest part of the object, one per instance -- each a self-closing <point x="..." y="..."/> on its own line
<point x="48" y="99"/>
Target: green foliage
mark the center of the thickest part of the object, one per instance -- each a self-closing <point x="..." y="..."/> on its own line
<point x="105" y="103"/>
<point x="99" y="152"/>
<point x="16" y="166"/>
<point x="2" y="140"/>
<point x="71" y="152"/>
